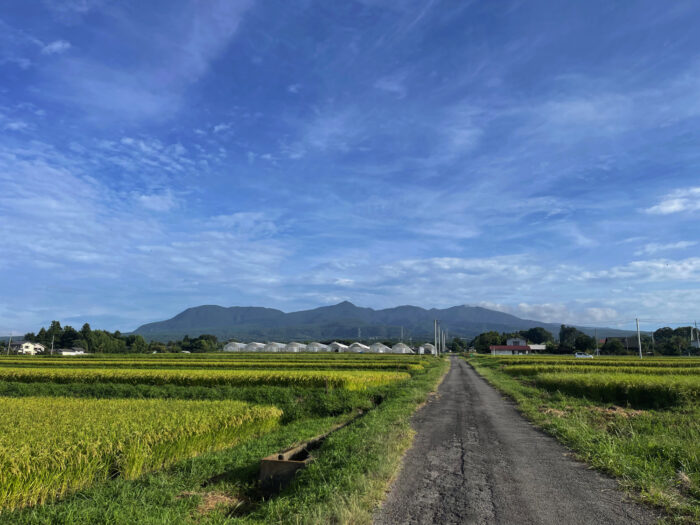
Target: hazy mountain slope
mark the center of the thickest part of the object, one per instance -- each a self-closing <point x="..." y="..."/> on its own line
<point x="341" y="321"/>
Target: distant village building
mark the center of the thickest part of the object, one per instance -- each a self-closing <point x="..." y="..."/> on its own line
<point x="537" y="348"/>
<point x="509" y="349"/>
<point x="70" y="351"/>
<point x="516" y="341"/>
<point x="27" y="348"/>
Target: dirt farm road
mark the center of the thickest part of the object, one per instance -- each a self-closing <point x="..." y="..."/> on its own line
<point x="475" y="459"/>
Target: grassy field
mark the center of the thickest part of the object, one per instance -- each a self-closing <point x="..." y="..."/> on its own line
<point x="638" y="420"/>
<point x="142" y="439"/>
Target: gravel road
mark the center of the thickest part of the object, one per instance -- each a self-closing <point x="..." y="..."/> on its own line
<point x="475" y="459"/>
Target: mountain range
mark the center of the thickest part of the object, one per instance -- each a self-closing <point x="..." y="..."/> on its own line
<point x="341" y="321"/>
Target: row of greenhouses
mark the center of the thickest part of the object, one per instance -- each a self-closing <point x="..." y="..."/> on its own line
<point x="357" y="348"/>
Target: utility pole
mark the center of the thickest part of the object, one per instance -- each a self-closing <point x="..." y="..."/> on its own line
<point x="9" y="343"/>
<point x="402" y="334"/>
<point x="52" y="344"/>
<point x="639" y="339"/>
<point x="435" y="334"/>
<point x="653" y="343"/>
<point x="597" y="350"/>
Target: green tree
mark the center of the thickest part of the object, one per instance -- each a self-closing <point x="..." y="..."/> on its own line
<point x="584" y="343"/>
<point x="613" y="347"/>
<point x="537" y="335"/>
<point x="567" y="337"/>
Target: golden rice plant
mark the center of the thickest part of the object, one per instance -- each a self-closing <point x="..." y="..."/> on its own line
<point x="349" y="379"/>
<point x="53" y="446"/>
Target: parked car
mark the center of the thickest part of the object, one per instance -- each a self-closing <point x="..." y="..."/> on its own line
<point x="583" y="355"/>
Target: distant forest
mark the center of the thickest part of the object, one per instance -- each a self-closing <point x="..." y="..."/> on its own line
<point x="664" y="341"/>
<point x="103" y="341"/>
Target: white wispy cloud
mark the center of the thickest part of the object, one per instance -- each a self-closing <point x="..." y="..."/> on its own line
<point x="677" y="201"/>
<point x="56" y="47"/>
<point x="655" y="247"/>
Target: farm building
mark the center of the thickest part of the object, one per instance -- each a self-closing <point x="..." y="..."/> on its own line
<point x="295" y="347"/>
<point x="509" y="349"/>
<point x="537" y="348"/>
<point x="317" y="347"/>
<point x="379" y="348"/>
<point x="234" y="347"/>
<point x="70" y="351"/>
<point x="337" y="347"/>
<point x="274" y="347"/>
<point x="516" y="341"/>
<point x="358" y="348"/>
<point x="27" y="347"/>
<point x="427" y="348"/>
<point x="254" y="347"/>
<point x="401" y="348"/>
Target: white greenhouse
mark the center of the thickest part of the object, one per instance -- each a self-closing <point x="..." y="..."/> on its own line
<point x="234" y="347"/>
<point x="295" y="347"/>
<point x="358" y="348"/>
<point x="379" y="348"/>
<point x="254" y="347"/>
<point x="400" y="348"/>
<point x="337" y="347"/>
<point x="428" y="349"/>
<point x="317" y="347"/>
<point x="274" y="347"/>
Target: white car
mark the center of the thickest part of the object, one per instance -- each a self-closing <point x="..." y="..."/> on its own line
<point x="583" y="355"/>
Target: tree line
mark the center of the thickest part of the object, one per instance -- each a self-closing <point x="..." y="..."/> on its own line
<point x="664" y="341"/>
<point x="103" y="341"/>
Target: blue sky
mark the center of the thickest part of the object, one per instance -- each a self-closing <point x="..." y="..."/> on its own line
<point x="540" y="158"/>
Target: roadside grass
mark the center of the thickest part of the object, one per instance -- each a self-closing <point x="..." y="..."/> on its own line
<point x="343" y="485"/>
<point x="654" y="453"/>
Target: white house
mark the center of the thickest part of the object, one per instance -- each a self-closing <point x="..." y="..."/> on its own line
<point x="27" y="347"/>
<point x="234" y="347"/>
<point x="358" y="348"/>
<point x="516" y="341"/>
<point x="400" y="348"/>
<point x="316" y="347"/>
<point x="337" y="347"/>
<point x="379" y="348"/>
<point x="295" y="347"/>
<point x="509" y="349"/>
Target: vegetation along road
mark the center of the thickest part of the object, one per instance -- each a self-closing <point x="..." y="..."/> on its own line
<point x="475" y="459"/>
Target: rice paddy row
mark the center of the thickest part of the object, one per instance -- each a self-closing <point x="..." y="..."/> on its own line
<point x="52" y="448"/>
<point x="348" y="379"/>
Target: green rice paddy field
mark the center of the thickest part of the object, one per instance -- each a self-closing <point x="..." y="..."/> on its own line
<point x="636" y="419"/>
<point x="178" y="438"/>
